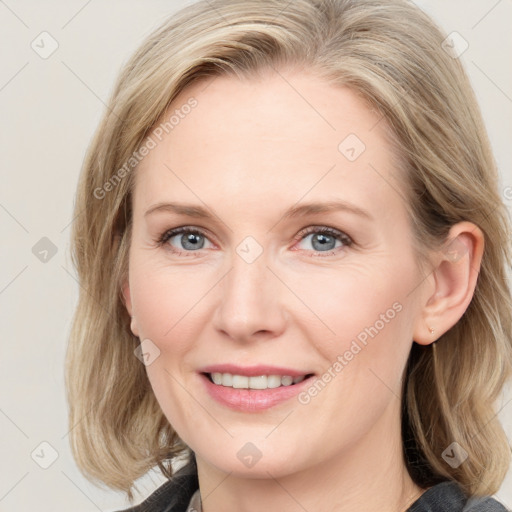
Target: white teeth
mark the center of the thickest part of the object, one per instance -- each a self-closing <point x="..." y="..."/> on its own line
<point x="259" y="382"/>
<point x="240" y="381"/>
<point x="255" y="382"/>
<point x="286" y="380"/>
<point x="217" y="378"/>
<point x="227" y="379"/>
<point x="273" y="381"/>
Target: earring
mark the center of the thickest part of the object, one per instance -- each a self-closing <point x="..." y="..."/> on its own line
<point x="431" y="329"/>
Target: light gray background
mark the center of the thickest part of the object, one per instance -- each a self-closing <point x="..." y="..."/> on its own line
<point x="49" y="110"/>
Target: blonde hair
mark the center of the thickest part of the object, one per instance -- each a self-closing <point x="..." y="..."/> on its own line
<point x="390" y="53"/>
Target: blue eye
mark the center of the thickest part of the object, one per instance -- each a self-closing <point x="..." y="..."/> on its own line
<point x="184" y="239"/>
<point x="324" y="239"/>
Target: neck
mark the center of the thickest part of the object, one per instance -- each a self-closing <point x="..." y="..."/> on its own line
<point x="370" y="475"/>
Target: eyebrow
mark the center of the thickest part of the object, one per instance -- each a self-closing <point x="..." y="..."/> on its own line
<point x="302" y="210"/>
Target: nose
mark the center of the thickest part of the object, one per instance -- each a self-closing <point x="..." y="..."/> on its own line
<point x="250" y="302"/>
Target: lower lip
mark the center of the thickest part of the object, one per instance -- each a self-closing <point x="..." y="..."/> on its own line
<point x="252" y="400"/>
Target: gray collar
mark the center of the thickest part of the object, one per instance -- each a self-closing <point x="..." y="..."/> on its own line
<point x="194" y="504"/>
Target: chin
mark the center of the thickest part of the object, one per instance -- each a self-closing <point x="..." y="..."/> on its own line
<point x="254" y="459"/>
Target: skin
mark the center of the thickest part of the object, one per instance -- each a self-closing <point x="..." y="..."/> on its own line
<point x="250" y="150"/>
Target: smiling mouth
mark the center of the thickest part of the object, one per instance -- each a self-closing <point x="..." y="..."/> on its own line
<point x="254" y="382"/>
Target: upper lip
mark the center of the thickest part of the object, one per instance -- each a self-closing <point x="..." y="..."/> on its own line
<point x="253" y="371"/>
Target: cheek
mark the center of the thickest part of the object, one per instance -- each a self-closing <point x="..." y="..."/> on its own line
<point x="365" y="333"/>
<point x="365" y="358"/>
<point x="165" y="303"/>
<point x="358" y="302"/>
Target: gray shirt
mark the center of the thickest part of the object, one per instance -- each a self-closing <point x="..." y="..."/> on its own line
<point x="181" y="494"/>
<point x="446" y="496"/>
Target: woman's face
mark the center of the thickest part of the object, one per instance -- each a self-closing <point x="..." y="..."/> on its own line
<point x="292" y="261"/>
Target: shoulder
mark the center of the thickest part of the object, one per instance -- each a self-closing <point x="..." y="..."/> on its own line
<point x="449" y="497"/>
<point x="173" y="496"/>
<point x="485" y="504"/>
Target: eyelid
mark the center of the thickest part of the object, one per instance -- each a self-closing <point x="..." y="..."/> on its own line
<point x="346" y="239"/>
<point x="170" y="233"/>
<point x="324" y="229"/>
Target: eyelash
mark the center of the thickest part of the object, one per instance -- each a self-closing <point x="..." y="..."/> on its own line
<point x="339" y="235"/>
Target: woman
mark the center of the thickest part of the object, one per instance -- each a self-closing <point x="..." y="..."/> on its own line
<point x="293" y="255"/>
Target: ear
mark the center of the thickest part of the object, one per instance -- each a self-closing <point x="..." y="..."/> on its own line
<point x="128" y="304"/>
<point x="454" y="279"/>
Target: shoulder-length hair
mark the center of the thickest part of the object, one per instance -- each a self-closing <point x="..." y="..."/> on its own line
<point x="391" y="54"/>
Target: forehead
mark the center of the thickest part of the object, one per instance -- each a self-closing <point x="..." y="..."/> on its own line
<point x="278" y="139"/>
